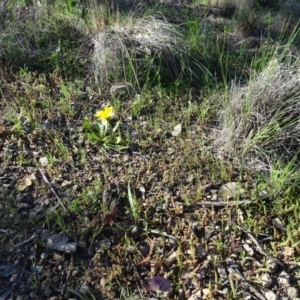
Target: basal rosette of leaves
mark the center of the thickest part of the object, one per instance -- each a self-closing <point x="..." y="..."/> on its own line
<point x="104" y="133"/>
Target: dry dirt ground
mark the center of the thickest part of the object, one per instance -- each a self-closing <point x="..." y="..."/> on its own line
<point x="69" y="231"/>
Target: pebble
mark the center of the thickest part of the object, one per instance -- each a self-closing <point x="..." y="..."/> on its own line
<point x="44" y="255"/>
<point x="292" y="292"/>
<point x="84" y="290"/>
<point x="171" y="259"/>
<point x="272" y="265"/>
<point x="39" y="269"/>
<point x="200" y="249"/>
<point x="171" y="242"/>
<point x="206" y="292"/>
<point x="61" y="243"/>
<point x="266" y="280"/>
<point x="58" y="257"/>
<point x="284" y="279"/>
<point x="13" y="277"/>
<point x="222" y="273"/>
<point x="143" y="248"/>
<point x="248" y="249"/>
<point x="131" y="249"/>
<point x="271" y="296"/>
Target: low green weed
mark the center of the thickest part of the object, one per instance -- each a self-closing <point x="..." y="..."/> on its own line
<point x="103" y="134"/>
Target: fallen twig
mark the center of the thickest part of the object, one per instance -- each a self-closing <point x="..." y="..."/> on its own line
<point x="28" y="240"/>
<point x="234" y="271"/>
<point x="223" y="203"/>
<point x="51" y="188"/>
<point x="258" y="247"/>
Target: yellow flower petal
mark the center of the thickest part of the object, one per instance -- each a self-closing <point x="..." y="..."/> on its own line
<point x="105" y="113"/>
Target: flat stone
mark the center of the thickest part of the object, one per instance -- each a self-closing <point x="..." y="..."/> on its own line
<point x="60" y="242"/>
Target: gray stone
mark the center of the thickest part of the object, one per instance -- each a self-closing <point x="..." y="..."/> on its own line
<point x="284" y="279"/>
<point x="84" y="290"/>
<point x="60" y="242"/>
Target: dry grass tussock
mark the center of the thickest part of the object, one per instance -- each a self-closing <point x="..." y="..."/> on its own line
<point x="262" y="118"/>
<point x="138" y="47"/>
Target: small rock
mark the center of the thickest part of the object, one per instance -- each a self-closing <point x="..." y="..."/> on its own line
<point x="39" y="269"/>
<point x="222" y="273"/>
<point x="200" y="249"/>
<point x="171" y="242"/>
<point x="43" y="161"/>
<point x="266" y="280"/>
<point x="292" y="292"/>
<point x="60" y="242"/>
<point x="32" y="295"/>
<point x="66" y="183"/>
<point x="278" y="224"/>
<point x="135" y="231"/>
<point x="271" y="296"/>
<point x="13" y="277"/>
<point x="206" y="292"/>
<point x="58" y="257"/>
<point x="214" y="197"/>
<point x="284" y="279"/>
<point x="131" y="249"/>
<point x="225" y="291"/>
<point x="44" y="255"/>
<point x="84" y="290"/>
<point x="248" y="249"/>
<point x="231" y="189"/>
<point x="171" y="259"/>
<point x="143" y="248"/>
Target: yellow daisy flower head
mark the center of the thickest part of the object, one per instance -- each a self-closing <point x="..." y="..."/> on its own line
<point x="105" y="113"/>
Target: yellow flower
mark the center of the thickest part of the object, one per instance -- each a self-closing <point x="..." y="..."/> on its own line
<point x="105" y="113"/>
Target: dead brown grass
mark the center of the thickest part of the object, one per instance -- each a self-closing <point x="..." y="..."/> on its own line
<point x="264" y="115"/>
